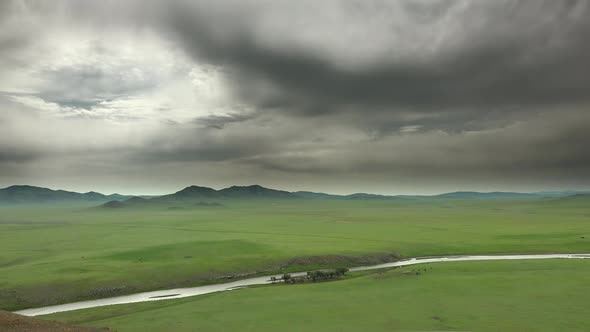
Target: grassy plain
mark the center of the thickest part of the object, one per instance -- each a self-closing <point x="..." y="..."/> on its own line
<point x="542" y="295"/>
<point x="54" y="255"/>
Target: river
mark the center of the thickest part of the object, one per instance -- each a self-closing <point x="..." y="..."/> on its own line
<point x="200" y="290"/>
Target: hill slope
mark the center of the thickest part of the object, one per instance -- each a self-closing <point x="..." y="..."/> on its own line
<point x="10" y="322"/>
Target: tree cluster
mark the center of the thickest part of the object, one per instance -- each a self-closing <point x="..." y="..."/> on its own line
<point x="312" y="276"/>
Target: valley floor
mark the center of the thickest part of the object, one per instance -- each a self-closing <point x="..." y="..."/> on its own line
<point x="67" y="254"/>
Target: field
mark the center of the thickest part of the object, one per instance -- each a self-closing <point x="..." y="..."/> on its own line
<point x="63" y="254"/>
<point x="462" y="296"/>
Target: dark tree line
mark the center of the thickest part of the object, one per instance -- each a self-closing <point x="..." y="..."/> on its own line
<point x="313" y="276"/>
<point x="326" y="274"/>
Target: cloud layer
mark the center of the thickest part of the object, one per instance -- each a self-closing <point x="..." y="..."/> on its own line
<point x="404" y="96"/>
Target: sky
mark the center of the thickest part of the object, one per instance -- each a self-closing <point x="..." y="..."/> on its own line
<point x="390" y="97"/>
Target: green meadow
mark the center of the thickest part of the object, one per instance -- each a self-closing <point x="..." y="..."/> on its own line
<point x="533" y="295"/>
<point x="55" y="255"/>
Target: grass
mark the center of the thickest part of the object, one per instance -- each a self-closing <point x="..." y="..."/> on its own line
<point x="541" y="295"/>
<point x="56" y="255"/>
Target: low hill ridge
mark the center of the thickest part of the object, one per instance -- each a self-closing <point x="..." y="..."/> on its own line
<point x="26" y="194"/>
<point x="252" y="191"/>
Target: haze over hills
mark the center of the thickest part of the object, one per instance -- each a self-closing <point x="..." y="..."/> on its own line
<point x="492" y="195"/>
<point x="25" y="194"/>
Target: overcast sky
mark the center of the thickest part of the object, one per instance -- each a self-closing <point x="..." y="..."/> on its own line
<point x="421" y="96"/>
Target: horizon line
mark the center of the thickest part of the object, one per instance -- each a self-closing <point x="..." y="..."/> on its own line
<point x="309" y="191"/>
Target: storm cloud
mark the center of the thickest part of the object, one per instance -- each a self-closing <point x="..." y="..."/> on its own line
<point x="391" y="97"/>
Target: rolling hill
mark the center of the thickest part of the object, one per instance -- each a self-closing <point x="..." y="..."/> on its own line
<point x="24" y="194"/>
<point x="197" y="192"/>
<point x="254" y="191"/>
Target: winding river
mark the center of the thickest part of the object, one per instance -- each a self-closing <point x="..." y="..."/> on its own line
<point x="200" y="290"/>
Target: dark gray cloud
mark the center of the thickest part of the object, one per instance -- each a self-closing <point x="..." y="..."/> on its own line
<point x="188" y="145"/>
<point x="335" y="93"/>
<point x="16" y="156"/>
<point x="549" y="148"/>
<point x="524" y="63"/>
<point x="494" y="55"/>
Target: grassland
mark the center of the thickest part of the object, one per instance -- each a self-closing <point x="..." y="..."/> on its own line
<point x="518" y="296"/>
<point x="55" y="255"/>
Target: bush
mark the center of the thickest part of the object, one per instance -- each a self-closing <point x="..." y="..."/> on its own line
<point x="326" y="275"/>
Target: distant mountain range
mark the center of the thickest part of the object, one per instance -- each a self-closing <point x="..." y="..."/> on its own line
<point x="22" y="194"/>
<point x="38" y="195"/>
